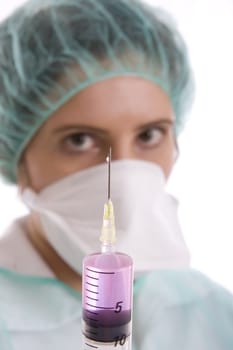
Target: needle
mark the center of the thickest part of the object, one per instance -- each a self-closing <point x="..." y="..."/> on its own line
<point x="109" y="160"/>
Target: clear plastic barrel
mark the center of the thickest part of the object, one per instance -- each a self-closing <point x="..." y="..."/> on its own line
<point x="107" y="301"/>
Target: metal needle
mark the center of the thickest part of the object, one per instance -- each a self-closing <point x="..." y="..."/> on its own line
<point x="109" y="159"/>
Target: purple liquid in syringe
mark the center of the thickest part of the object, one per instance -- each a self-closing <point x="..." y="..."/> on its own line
<point x="107" y="296"/>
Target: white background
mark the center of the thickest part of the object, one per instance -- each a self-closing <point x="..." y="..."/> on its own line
<point x="202" y="178"/>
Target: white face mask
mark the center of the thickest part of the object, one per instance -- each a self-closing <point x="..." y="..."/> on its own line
<point x="147" y="227"/>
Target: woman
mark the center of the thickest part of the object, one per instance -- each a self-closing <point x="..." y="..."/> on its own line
<point x="78" y="77"/>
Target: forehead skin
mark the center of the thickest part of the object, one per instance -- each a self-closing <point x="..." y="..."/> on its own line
<point x="115" y="97"/>
<point x="119" y="108"/>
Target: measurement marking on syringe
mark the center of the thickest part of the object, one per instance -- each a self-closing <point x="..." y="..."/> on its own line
<point x="91" y="291"/>
<point x="92" y="346"/>
<point x="93" y="285"/>
<point x="92" y="312"/>
<point x="101" y="272"/>
<point x="92" y="319"/>
<point x="94" y="333"/>
<point x="101" y="307"/>
<point x="94" y="278"/>
<point x="92" y="298"/>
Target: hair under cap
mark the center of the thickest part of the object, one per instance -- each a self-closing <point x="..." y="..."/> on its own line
<point x="52" y="49"/>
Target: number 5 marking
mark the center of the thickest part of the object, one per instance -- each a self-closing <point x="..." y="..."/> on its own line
<point x="118" y="307"/>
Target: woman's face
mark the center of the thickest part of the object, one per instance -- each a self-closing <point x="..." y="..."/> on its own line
<point x="132" y="115"/>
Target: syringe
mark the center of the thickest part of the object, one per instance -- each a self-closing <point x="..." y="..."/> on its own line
<point x="107" y="290"/>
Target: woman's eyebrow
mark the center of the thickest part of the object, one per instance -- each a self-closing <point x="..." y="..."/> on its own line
<point x="88" y="128"/>
<point x="80" y="128"/>
<point x="157" y="122"/>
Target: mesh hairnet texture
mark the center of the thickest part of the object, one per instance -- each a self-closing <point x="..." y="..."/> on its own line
<point x="50" y="50"/>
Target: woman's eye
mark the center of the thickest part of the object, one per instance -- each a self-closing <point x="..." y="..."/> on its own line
<point x="79" y="142"/>
<point x="151" y="137"/>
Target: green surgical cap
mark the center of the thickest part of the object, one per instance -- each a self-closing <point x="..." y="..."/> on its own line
<point x="52" y="49"/>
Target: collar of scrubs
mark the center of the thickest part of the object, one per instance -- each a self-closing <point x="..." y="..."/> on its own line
<point x="36" y="303"/>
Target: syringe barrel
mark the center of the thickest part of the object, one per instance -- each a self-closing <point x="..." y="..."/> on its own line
<point x="107" y="297"/>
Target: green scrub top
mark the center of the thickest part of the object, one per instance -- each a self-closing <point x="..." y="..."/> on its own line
<point x="173" y="310"/>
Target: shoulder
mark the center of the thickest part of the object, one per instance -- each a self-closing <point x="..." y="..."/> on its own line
<point x="30" y="303"/>
<point x="180" y="287"/>
<point x="18" y="254"/>
<point x="187" y="307"/>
